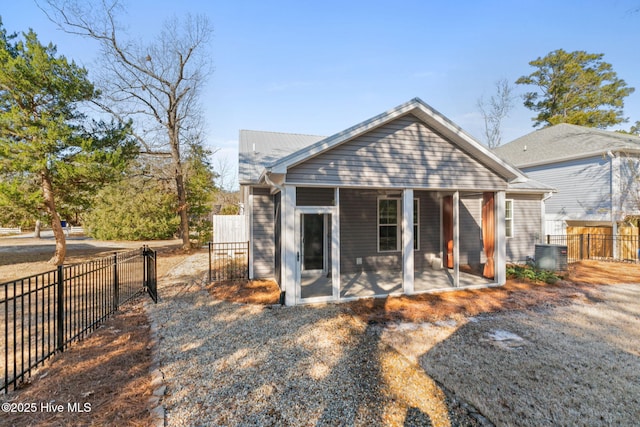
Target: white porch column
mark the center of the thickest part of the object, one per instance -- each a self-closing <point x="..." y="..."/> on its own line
<point x="407" y="241"/>
<point x="249" y="219"/>
<point x="335" y="246"/>
<point x="456" y="239"/>
<point x="288" y="244"/>
<point x="500" y="253"/>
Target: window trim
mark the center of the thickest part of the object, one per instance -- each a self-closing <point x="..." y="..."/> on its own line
<point x="506" y="228"/>
<point x="398" y="225"/>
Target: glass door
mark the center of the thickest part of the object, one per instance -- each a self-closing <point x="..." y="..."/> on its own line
<point x="314" y="255"/>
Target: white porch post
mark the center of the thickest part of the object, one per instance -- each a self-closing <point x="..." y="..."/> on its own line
<point x="616" y="202"/>
<point x="288" y="246"/>
<point x="249" y="219"/>
<point x="456" y="239"/>
<point x="407" y="241"/>
<point x="500" y="253"/>
<point x="335" y="246"/>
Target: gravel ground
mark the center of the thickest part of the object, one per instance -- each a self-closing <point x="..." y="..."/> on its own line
<point x="241" y="364"/>
<point x="237" y="364"/>
<point x="570" y="365"/>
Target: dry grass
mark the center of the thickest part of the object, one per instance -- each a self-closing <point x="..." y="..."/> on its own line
<point x="598" y="272"/>
<point x="108" y="370"/>
<point x="246" y="291"/>
<point x="22" y="257"/>
<point x="579" y="283"/>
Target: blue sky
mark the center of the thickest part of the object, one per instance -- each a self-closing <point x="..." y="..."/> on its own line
<point x="318" y="67"/>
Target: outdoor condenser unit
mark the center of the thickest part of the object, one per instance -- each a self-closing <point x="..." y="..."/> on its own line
<point x="551" y="257"/>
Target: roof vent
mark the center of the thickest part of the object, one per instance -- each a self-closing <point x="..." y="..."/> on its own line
<point x="525" y="148"/>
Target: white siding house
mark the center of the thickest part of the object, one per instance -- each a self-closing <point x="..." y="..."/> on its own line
<point x="595" y="173"/>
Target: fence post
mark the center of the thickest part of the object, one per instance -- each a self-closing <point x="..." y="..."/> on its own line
<point x="60" y="313"/>
<point x="210" y="248"/>
<point x="589" y="246"/>
<point x="145" y="267"/>
<point x="248" y="260"/>
<point x="116" y="285"/>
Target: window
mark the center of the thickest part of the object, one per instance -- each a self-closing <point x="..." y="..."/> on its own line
<point x="389" y="224"/>
<point x="508" y="218"/>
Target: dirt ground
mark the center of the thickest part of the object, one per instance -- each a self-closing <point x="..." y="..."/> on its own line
<point x="115" y="382"/>
<point x="109" y="370"/>
<point x="24" y="256"/>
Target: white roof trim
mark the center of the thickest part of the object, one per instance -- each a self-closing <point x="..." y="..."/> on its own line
<point x="425" y="113"/>
<point x="580" y="156"/>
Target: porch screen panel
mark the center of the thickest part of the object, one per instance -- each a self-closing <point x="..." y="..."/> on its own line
<point x="488" y="233"/>
<point x="447" y="225"/>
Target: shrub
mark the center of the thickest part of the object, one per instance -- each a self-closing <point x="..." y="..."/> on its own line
<point x="532" y="274"/>
<point x="133" y="210"/>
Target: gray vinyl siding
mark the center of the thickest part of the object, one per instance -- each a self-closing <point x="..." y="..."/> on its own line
<point x="312" y="196"/>
<point x="429" y="228"/>
<point x="527" y="223"/>
<point x="470" y="230"/>
<point x="583" y="188"/>
<point x="359" y="234"/>
<point x="263" y="234"/>
<point x="403" y="153"/>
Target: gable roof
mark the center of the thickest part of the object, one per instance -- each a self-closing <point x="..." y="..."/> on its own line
<point x="263" y="153"/>
<point x="259" y="149"/>
<point x="422" y="111"/>
<point x="564" y="142"/>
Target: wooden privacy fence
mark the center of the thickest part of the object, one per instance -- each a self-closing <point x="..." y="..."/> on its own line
<point x="598" y="246"/>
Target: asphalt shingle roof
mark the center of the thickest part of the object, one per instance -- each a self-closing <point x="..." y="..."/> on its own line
<point x="563" y="142"/>
<point x="259" y="149"/>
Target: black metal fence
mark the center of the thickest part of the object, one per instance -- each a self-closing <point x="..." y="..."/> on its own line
<point x="42" y="314"/>
<point x="228" y="261"/>
<point x="598" y="246"/>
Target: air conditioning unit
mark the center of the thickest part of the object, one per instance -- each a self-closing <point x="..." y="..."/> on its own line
<point x="551" y="257"/>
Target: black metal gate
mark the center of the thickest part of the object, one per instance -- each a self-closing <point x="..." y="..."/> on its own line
<point x="150" y="273"/>
<point x="228" y="261"/>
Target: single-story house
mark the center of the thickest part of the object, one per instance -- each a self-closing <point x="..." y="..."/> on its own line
<point x="596" y="174"/>
<point x="405" y="202"/>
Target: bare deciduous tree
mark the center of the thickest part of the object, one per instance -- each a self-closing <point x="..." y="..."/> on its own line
<point x="157" y="84"/>
<point x="494" y="110"/>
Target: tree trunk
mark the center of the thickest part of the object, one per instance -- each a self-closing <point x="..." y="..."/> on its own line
<point x="174" y="142"/>
<point x="58" y="232"/>
<point x="36" y="233"/>
<point x="184" y="213"/>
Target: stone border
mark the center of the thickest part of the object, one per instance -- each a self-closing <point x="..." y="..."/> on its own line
<point x="157" y="378"/>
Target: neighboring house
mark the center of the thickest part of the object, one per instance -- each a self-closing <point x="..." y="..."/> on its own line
<point x="595" y="173"/>
<point x="404" y="202"/>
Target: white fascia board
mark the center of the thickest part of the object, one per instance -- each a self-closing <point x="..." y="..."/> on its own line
<point x="579" y="156"/>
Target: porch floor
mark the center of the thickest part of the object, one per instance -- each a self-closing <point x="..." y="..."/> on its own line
<point x="372" y="283"/>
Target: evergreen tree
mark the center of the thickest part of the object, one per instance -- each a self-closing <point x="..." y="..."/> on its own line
<point x="577" y="88"/>
<point x="46" y="144"/>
